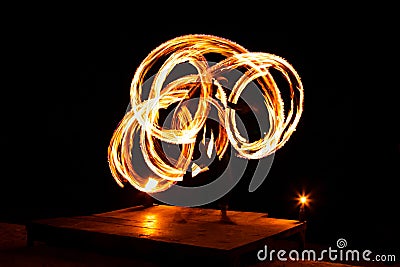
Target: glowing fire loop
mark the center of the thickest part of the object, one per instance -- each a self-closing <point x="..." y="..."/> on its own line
<point x="142" y="118"/>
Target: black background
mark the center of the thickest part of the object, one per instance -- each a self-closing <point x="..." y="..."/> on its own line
<point x="345" y="152"/>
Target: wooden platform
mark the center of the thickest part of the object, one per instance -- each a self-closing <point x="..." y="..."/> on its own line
<point x="175" y="233"/>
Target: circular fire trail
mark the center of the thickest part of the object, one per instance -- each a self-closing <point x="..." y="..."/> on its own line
<point x="143" y="117"/>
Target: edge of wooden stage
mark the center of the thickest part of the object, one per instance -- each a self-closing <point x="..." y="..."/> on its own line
<point x="168" y="230"/>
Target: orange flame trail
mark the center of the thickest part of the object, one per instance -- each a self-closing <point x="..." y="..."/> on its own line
<point x="142" y="118"/>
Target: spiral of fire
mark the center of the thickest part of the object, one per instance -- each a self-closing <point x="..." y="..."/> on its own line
<point x="142" y="118"/>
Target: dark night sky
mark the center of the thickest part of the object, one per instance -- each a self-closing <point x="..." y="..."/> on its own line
<point x="344" y="152"/>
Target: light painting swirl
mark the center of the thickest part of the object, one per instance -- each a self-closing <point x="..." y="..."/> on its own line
<point x="143" y="116"/>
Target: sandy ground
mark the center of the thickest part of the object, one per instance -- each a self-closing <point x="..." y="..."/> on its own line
<point x="14" y="252"/>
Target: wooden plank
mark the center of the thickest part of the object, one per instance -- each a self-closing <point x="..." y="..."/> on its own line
<point x="194" y="230"/>
<point x="190" y="226"/>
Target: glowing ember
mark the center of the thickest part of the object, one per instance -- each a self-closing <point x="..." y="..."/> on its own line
<point x="142" y="118"/>
<point x="303" y="199"/>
